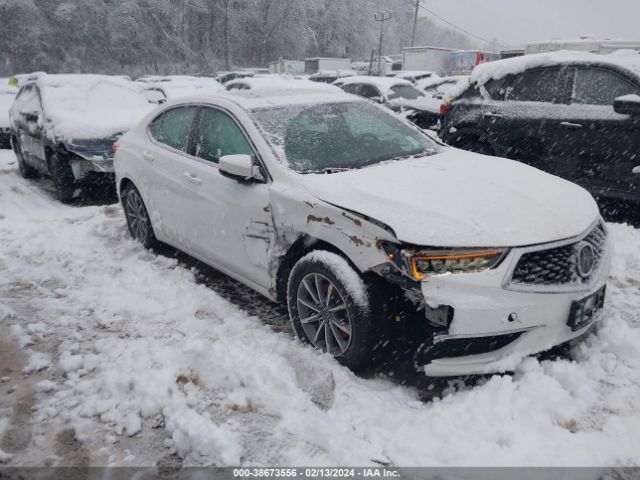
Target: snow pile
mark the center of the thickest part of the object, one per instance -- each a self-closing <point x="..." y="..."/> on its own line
<point x="89" y="106"/>
<point x="141" y="347"/>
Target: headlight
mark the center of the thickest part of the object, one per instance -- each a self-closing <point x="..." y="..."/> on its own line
<point x="420" y="264"/>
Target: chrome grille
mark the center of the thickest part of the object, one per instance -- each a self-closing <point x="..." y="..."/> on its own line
<point x="560" y="265"/>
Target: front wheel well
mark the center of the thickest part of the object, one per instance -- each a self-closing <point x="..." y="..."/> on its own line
<point x="123" y="184"/>
<point x="301" y="247"/>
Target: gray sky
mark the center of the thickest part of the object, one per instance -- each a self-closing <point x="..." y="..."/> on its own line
<point x="515" y="22"/>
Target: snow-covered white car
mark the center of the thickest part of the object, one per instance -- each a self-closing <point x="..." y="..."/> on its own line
<point x="275" y="84"/>
<point x="64" y="126"/>
<point x="366" y="226"/>
<point x="414" y="76"/>
<point x="330" y="76"/>
<point x="158" y="90"/>
<point x="7" y="95"/>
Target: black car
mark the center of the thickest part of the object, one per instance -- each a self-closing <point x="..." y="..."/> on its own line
<point x="64" y="126"/>
<point x="575" y="115"/>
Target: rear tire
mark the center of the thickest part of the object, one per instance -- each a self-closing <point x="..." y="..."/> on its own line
<point x="26" y="171"/>
<point x="330" y="308"/>
<point x="137" y="216"/>
<point x="63" y="179"/>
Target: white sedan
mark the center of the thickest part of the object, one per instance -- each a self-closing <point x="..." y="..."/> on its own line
<point x="365" y="227"/>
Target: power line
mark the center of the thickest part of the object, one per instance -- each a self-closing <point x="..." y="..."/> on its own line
<point x="444" y="20"/>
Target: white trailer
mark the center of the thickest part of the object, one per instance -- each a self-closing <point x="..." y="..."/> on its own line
<point x="292" y="67"/>
<point x="320" y="64"/>
<point x="583" y="44"/>
<point x="434" y="59"/>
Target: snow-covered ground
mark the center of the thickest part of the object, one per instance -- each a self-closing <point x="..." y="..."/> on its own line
<point x="112" y="355"/>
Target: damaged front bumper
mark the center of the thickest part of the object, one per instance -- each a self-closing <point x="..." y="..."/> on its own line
<point x="91" y="157"/>
<point x="494" y="322"/>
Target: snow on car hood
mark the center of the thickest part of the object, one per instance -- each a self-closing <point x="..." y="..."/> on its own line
<point x="461" y="199"/>
<point x="90" y="106"/>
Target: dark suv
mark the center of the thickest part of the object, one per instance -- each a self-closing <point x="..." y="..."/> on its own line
<point x="575" y="115"/>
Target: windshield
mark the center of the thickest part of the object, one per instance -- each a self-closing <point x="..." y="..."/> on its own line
<point x="404" y="91"/>
<point x="335" y="136"/>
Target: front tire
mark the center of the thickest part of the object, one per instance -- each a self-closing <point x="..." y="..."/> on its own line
<point x="329" y="307"/>
<point x="137" y="216"/>
<point x="63" y="179"/>
<point x="26" y="171"/>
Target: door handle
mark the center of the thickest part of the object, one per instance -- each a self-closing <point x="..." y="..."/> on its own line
<point x="492" y="115"/>
<point x="191" y="178"/>
<point x="147" y="156"/>
<point x="570" y="125"/>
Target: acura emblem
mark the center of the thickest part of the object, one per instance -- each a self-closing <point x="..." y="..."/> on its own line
<point x="586" y="259"/>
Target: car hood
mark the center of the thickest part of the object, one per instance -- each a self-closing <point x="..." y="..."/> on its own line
<point x="461" y="199"/>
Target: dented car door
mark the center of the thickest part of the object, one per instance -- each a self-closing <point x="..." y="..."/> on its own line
<point x="231" y="221"/>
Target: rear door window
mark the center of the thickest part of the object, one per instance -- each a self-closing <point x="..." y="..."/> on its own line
<point x="598" y="86"/>
<point x="176" y="127"/>
<point x="220" y="135"/>
<point x="539" y="85"/>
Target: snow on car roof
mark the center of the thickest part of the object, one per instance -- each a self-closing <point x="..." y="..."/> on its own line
<point x="280" y="83"/>
<point x="263" y="99"/>
<point x="413" y="73"/>
<point x="174" y="87"/>
<point x="79" y="106"/>
<point x="628" y="59"/>
<point x="383" y="83"/>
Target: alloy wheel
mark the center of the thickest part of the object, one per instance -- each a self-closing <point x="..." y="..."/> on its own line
<point x="137" y="216"/>
<point x="323" y="314"/>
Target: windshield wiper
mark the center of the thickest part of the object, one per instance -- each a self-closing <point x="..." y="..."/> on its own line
<point x="330" y="170"/>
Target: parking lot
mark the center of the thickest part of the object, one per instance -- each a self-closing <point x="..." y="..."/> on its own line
<point x="120" y="356"/>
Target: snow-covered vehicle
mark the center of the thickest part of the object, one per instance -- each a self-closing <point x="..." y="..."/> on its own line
<point x="365" y="226"/>
<point x="330" y="76"/>
<point x="572" y="114"/>
<point x="276" y="83"/>
<point x="414" y="76"/>
<point x="439" y="87"/>
<point x="7" y="95"/>
<point x="64" y="126"/>
<point x="158" y="90"/>
<point x="224" y="77"/>
<point x="395" y="93"/>
<point x="435" y="90"/>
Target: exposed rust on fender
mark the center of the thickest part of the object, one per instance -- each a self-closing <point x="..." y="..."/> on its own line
<point x="356" y="240"/>
<point x="310" y="204"/>
<point x="267" y="209"/>
<point x="356" y="221"/>
<point x="326" y="220"/>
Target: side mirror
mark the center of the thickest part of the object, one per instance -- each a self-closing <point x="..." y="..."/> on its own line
<point x="627" y="105"/>
<point x="240" y="168"/>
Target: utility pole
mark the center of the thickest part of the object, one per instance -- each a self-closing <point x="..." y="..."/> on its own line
<point x="415" y="24"/>
<point x="381" y="17"/>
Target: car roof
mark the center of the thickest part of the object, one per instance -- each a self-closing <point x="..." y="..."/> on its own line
<point x="384" y="83"/>
<point x="249" y="100"/>
<point x="622" y="59"/>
